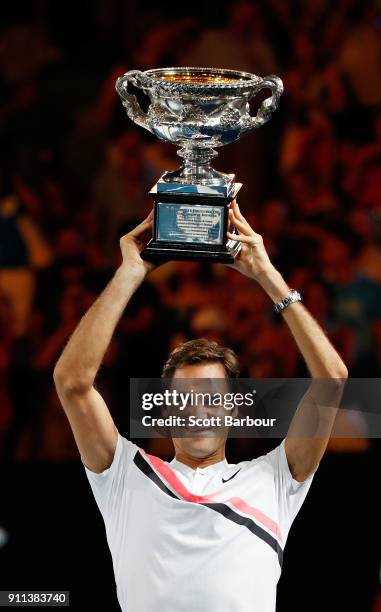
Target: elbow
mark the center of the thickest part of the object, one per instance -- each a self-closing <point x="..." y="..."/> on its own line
<point x="340" y="372"/>
<point x="70" y="383"/>
<point x="336" y="370"/>
<point x="344" y="372"/>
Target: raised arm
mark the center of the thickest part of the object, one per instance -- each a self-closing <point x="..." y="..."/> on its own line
<point x="323" y="362"/>
<point x="76" y="370"/>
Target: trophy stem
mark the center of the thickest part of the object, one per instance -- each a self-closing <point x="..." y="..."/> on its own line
<point x="197" y="155"/>
<point x="196" y="168"/>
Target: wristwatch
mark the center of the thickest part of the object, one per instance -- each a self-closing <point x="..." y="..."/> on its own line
<point x="294" y="296"/>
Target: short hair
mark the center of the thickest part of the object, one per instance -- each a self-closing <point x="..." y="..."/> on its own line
<point x="201" y="351"/>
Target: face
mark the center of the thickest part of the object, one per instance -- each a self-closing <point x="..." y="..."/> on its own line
<point x="201" y="446"/>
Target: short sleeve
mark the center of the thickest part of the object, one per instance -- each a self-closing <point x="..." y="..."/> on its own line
<point x="290" y="493"/>
<point x="108" y="486"/>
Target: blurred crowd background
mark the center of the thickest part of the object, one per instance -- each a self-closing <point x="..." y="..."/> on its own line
<point x="75" y="175"/>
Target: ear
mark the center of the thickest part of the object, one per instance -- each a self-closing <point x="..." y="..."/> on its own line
<point x="233" y="412"/>
<point x="165" y="411"/>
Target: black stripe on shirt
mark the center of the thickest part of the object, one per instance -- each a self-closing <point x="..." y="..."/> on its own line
<point x="230" y="514"/>
<point x="145" y="467"/>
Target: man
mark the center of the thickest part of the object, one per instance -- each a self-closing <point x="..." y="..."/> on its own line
<point x="195" y="533"/>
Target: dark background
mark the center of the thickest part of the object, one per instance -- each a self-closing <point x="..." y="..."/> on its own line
<point x="74" y="176"/>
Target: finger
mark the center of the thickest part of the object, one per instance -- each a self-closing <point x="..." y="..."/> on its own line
<point x="242" y="226"/>
<point x="251" y="240"/>
<point x="237" y="211"/>
<point x="149" y="217"/>
<point x="141" y="228"/>
<point x="230" y="220"/>
<point x="233" y="212"/>
<point x="144" y="235"/>
<point x="148" y="220"/>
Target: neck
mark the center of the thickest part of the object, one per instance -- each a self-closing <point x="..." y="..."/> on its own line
<point x="201" y="462"/>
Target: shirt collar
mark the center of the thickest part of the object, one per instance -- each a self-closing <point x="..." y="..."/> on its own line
<point x="214" y="468"/>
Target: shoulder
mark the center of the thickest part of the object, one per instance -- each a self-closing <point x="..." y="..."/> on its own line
<point x="273" y="463"/>
<point x="124" y="454"/>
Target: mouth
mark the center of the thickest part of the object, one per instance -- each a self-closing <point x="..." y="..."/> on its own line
<point x="198" y="431"/>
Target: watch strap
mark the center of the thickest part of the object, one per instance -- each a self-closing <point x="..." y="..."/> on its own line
<point x="293" y="296"/>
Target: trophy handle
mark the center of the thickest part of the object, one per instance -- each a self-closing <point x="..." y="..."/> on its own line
<point x="268" y="106"/>
<point x="129" y="101"/>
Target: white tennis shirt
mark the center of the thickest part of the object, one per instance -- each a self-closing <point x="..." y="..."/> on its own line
<point x="197" y="540"/>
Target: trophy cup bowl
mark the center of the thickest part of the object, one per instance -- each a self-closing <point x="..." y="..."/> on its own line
<point x="197" y="109"/>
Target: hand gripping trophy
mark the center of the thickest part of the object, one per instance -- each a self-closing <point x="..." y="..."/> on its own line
<point x="197" y="109"/>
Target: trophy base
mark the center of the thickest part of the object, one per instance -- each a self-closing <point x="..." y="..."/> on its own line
<point x="158" y="253"/>
<point x="190" y="226"/>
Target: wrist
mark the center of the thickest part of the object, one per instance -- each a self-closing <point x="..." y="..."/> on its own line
<point x="273" y="283"/>
<point x="129" y="276"/>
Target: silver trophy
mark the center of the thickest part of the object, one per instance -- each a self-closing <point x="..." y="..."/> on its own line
<point x="197" y="109"/>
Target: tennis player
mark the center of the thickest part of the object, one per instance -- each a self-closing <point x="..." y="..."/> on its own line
<point x="195" y="534"/>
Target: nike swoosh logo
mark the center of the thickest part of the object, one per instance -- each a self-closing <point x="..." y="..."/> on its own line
<point x="226" y="479"/>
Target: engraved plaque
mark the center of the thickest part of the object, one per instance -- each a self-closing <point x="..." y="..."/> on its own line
<point x="202" y="224"/>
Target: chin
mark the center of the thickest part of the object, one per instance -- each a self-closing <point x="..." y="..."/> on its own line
<point x="200" y="447"/>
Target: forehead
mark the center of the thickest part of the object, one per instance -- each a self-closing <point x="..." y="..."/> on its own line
<point x="201" y="370"/>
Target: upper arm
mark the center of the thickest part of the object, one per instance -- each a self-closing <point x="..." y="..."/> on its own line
<point x="92" y="425"/>
<point x="311" y="426"/>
